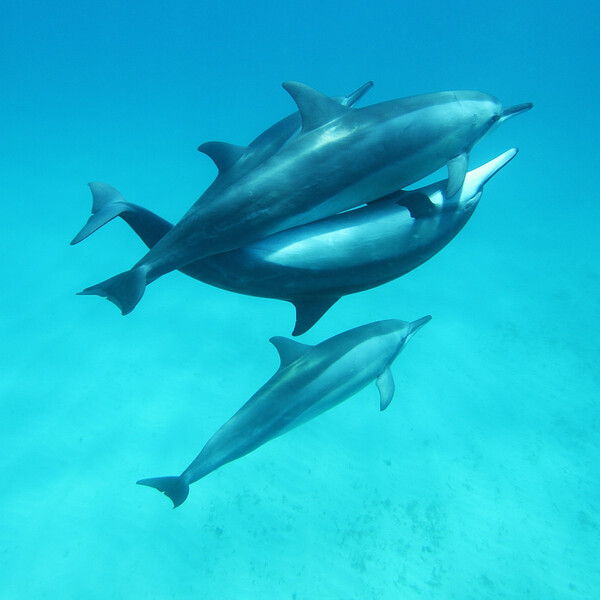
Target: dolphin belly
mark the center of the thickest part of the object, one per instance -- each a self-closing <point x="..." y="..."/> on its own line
<point x="350" y="240"/>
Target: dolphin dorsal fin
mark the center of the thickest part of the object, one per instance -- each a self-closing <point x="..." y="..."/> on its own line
<point x="289" y="350"/>
<point x="308" y="312"/>
<point x="315" y="108"/>
<point x="223" y="154"/>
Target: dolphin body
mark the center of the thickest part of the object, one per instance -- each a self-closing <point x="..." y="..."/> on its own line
<point x="309" y="381"/>
<point x="341" y="158"/>
<point x="232" y="161"/>
<point x="313" y="265"/>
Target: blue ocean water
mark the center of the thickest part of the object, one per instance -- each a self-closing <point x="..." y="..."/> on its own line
<point x="481" y="480"/>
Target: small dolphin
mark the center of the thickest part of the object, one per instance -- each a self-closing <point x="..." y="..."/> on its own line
<point x="342" y="158"/>
<point x="309" y="381"/>
<point x="313" y="265"/>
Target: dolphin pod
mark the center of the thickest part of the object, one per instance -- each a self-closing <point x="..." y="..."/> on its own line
<point x="342" y="157"/>
<point x="309" y="381"/>
<point x="314" y="265"/>
<point x="312" y="210"/>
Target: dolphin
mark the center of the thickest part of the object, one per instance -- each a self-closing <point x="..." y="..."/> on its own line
<point x="231" y="161"/>
<point x="309" y="381"/>
<point x="313" y="265"/>
<point x="341" y="158"/>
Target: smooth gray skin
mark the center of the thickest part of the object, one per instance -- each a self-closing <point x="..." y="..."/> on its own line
<point x="342" y="158"/>
<point x="313" y="265"/>
<point x="108" y="202"/>
<point x="310" y="380"/>
<point x="233" y="161"/>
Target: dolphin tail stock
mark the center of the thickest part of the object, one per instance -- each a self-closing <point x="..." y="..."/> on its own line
<point x="108" y="203"/>
<point x="176" y="488"/>
<point x="124" y="290"/>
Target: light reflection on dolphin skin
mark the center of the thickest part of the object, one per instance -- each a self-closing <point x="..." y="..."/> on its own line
<point x="313" y="265"/>
<point x="242" y="160"/>
<point x="233" y="161"/>
<point x="342" y="157"/>
<point x="309" y="381"/>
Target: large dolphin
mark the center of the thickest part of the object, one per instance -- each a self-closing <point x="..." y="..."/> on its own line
<point x="313" y="265"/>
<point x="246" y="158"/>
<point x="309" y="381"/>
<point x="342" y="158"/>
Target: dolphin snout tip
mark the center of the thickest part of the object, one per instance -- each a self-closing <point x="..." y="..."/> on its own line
<point x="517" y="109"/>
<point x="416" y="325"/>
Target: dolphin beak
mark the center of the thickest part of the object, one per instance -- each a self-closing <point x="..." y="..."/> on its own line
<point x="416" y="325"/>
<point x="513" y="111"/>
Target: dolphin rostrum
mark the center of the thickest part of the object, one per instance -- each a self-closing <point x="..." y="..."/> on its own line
<point x="309" y="381"/>
<point x="313" y="265"/>
<point x="342" y="158"/>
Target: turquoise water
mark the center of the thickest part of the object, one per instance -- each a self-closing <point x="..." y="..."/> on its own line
<point x="481" y="480"/>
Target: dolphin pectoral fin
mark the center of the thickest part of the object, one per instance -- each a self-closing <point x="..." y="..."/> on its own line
<point x="315" y="108"/>
<point x="289" y="350"/>
<point x="386" y="387"/>
<point x="224" y="155"/>
<point x="419" y="204"/>
<point x="124" y="290"/>
<point x="457" y="169"/>
<point x="176" y="488"/>
<point x="309" y="311"/>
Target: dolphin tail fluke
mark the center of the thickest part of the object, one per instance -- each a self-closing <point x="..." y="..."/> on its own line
<point x="176" y="488"/>
<point x="124" y="290"/>
<point x="107" y="203"/>
<point x="96" y="221"/>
